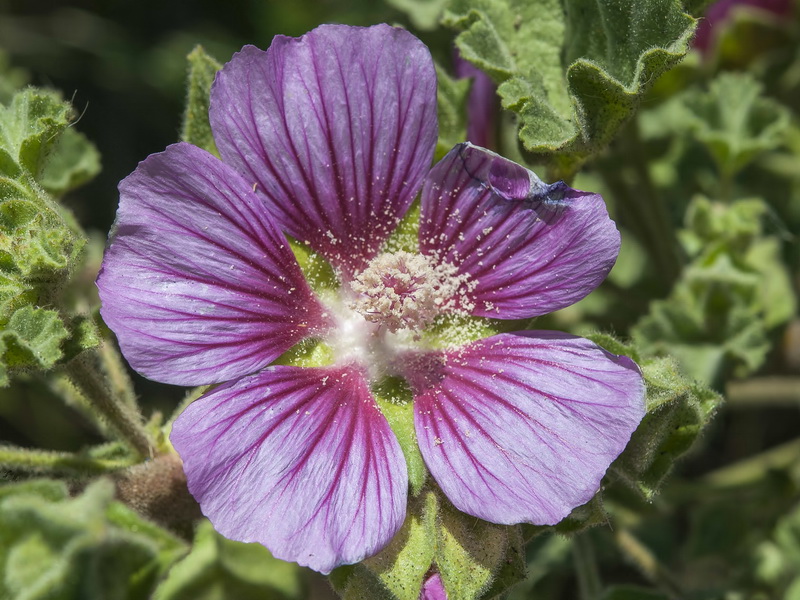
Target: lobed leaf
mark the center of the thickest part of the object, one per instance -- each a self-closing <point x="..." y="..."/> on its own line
<point x="573" y="71"/>
<point x="734" y="121"/>
<point x="32" y="338"/>
<point x="29" y="128"/>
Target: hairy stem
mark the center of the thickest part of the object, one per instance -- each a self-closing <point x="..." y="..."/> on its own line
<point x="647" y="563"/>
<point x="87" y="373"/>
<point x="13" y="458"/>
<point x="589" y="583"/>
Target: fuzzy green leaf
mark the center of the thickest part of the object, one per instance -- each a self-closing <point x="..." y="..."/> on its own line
<point x="219" y="569"/>
<point x="36" y="242"/>
<point x="717" y="317"/>
<point x="32" y="338"/>
<point x="735" y="121"/>
<point x="74" y="161"/>
<point x="196" y="127"/>
<point x="573" y="71"/>
<point x="29" y="128"/>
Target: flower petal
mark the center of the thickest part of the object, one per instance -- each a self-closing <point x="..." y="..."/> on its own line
<point x="298" y="459"/>
<point x="522" y="427"/>
<point x="197" y="282"/>
<point x="532" y="248"/>
<point x="433" y="588"/>
<point x="337" y="129"/>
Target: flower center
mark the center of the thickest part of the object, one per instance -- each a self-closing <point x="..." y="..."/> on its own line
<point x="401" y="290"/>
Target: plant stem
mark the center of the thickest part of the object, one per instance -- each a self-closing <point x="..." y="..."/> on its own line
<point x="44" y="461"/>
<point x="86" y="372"/>
<point x="643" y="210"/>
<point x="760" y="392"/>
<point x="753" y="468"/>
<point x="117" y="373"/>
<point x="647" y="563"/>
<point x="589" y="583"/>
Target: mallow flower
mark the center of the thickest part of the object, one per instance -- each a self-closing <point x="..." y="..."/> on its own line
<point x="327" y="140"/>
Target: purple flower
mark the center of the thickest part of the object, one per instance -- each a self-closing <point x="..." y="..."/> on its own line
<point x="482" y="103"/>
<point x="329" y="138"/>
<point x="433" y="588"/>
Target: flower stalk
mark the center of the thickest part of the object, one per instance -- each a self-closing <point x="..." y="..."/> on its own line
<point x="29" y="460"/>
<point x="87" y="373"/>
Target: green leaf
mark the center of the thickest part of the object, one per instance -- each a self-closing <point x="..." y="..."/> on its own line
<point x="221" y="569"/>
<point x="735" y="121"/>
<point x="451" y="96"/>
<point x="37" y="243"/>
<point x="573" y="71"/>
<point x="196" y="128"/>
<point x="74" y="161"/>
<point x="29" y="128"/>
<point x="424" y="14"/>
<point x="677" y="411"/>
<point x="53" y="546"/>
<point x="83" y="335"/>
<point x="31" y="339"/>
<point x="737" y="287"/>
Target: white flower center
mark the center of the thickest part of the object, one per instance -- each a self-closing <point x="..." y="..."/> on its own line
<point x="401" y="290"/>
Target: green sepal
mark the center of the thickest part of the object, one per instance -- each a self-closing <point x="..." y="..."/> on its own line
<point x="196" y="128"/>
<point x="451" y="96"/>
<point x="74" y="548"/>
<point x="74" y="161"/>
<point x="476" y="559"/>
<point x="221" y="569"/>
<point x="31" y="338"/>
<point x="397" y="572"/>
<point x="572" y="71"/>
<point x="735" y="121"/>
<point x="471" y="553"/>
<point x="580" y="519"/>
<point x="677" y="410"/>
<point x="29" y="129"/>
<point x="395" y="400"/>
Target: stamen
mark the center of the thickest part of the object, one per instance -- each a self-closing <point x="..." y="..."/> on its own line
<point x="401" y="290"/>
